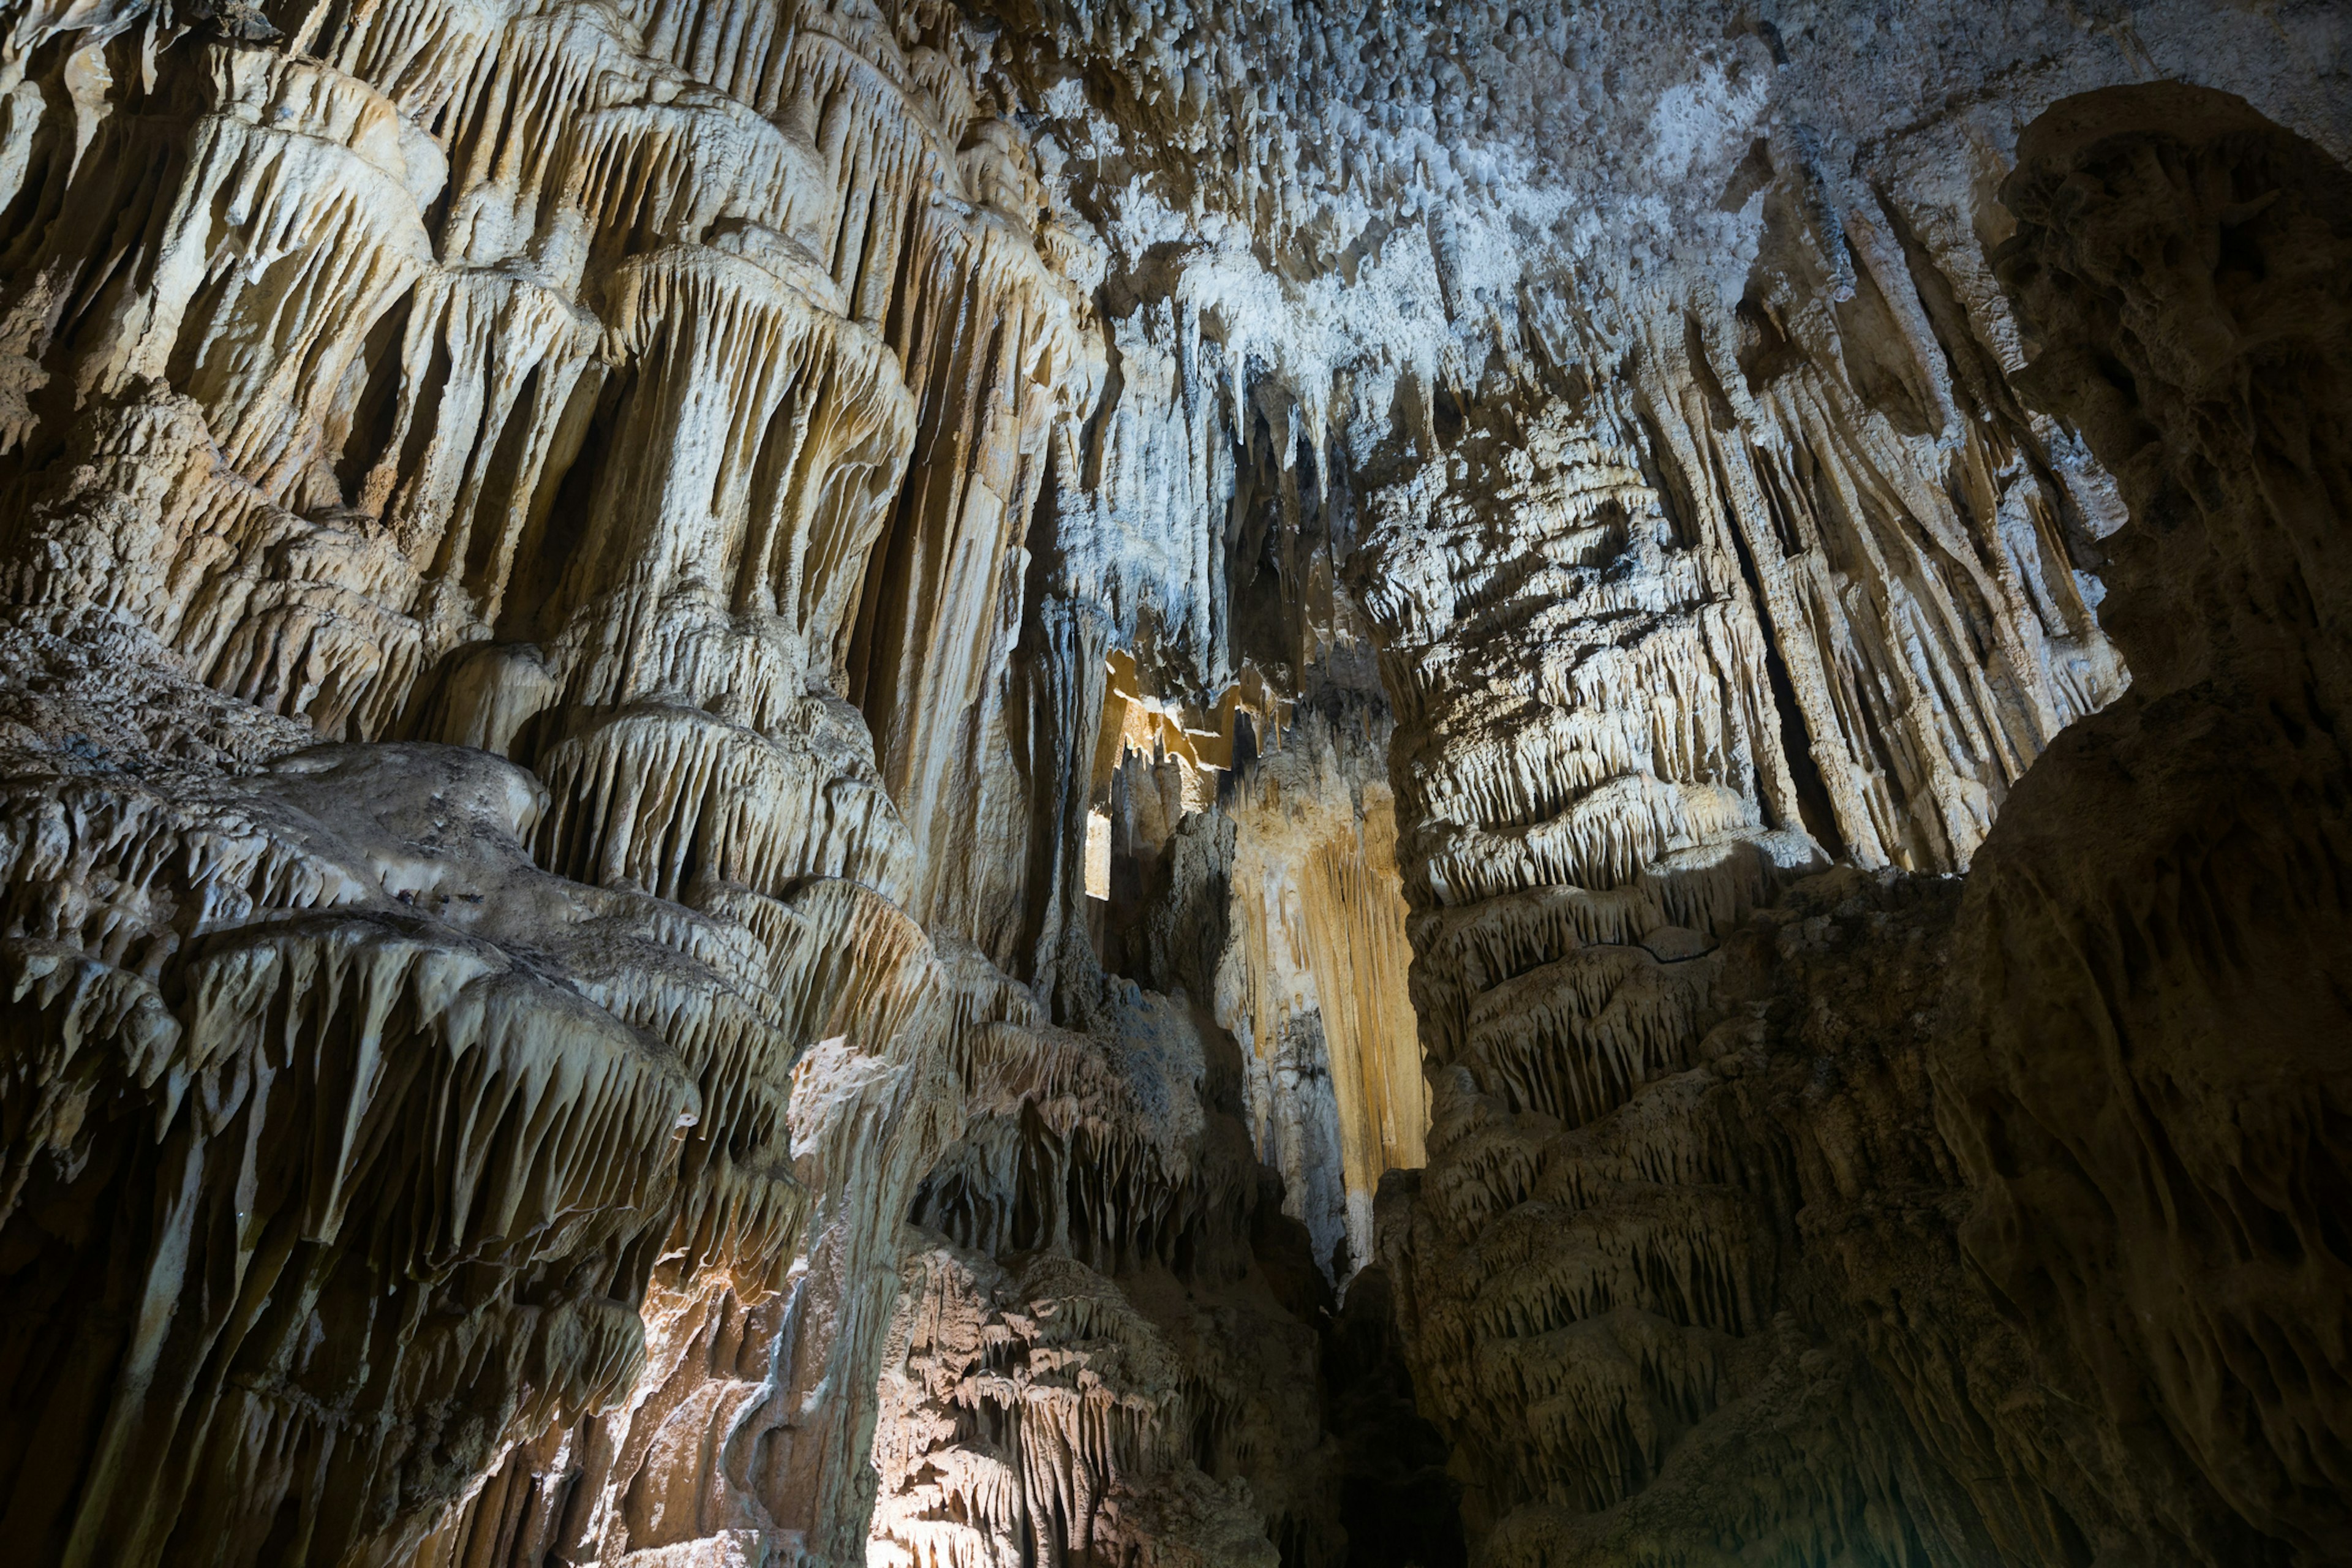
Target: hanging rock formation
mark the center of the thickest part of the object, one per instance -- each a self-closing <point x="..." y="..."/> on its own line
<point x="986" y="783"/>
<point x="2162" y="911"/>
<point x="1786" y="1226"/>
<point x="394" y="1128"/>
<point x="1098" y="1352"/>
<point x="1313" y="980"/>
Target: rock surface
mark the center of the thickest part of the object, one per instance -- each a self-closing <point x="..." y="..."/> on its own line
<point x="1122" y="783"/>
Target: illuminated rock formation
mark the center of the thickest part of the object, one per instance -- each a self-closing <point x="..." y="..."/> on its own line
<point x="1313" y="982"/>
<point x="952" y="781"/>
<point x="393" y="1128"/>
<point x="1091" y="1356"/>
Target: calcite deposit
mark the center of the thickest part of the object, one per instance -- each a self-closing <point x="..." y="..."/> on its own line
<point x="961" y="784"/>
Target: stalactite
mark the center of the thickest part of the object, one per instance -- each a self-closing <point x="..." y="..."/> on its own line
<point x="482" y="375"/>
<point x="1313" y="984"/>
<point x="950" y="781"/>
<point x="1085" y="1358"/>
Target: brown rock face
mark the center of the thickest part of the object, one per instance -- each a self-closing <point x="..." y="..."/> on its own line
<point x="1944" y="1227"/>
<point x="950" y="784"/>
<point x="2143" y="1070"/>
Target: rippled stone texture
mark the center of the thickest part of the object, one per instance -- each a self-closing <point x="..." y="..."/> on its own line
<point x="773" y="771"/>
<point x="491" y="1111"/>
<point x="1896" y="1221"/>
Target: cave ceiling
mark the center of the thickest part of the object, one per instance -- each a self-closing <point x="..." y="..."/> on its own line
<point x="979" y="784"/>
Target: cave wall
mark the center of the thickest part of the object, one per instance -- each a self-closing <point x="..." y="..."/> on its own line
<point x="757" y="757"/>
<point x="487" y="1134"/>
<point x="2151" y="1125"/>
<point x="1920" y="1227"/>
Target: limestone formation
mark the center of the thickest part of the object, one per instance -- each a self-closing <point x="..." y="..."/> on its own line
<point x="1313" y="982"/>
<point x="1090" y="1356"/>
<point x="2160" y="1215"/>
<point x="971" y="783"/>
<point x="543" y="382"/>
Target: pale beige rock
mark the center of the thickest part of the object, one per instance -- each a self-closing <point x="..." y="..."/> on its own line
<point x="1088" y="1358"/>
<point x="1312" y="985"/>
<point x="755" y="758"/>
<point x="495" y="375"/>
